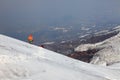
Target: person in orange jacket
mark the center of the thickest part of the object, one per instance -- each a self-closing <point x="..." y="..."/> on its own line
<point x="30" y="38"/>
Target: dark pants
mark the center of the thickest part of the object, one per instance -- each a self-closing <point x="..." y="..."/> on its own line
<point x="30" y="41"/>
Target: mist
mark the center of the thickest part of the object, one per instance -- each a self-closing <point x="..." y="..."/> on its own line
<point x="26" y="15"/>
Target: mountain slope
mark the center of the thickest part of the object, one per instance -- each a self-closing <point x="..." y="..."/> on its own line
<point x="109" y="50"/>
<point x="23" y="61"/>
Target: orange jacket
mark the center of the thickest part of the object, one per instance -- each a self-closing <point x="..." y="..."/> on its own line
<point x="30" y="37"/>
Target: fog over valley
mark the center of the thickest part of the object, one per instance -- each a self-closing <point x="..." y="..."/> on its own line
<point x="56" y="18"/>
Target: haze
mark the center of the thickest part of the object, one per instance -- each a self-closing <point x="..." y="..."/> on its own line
<point x="25" y="15"/>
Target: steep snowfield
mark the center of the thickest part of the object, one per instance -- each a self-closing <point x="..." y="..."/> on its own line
<point x="23" y="61"/>
<point x="109" y="51"/>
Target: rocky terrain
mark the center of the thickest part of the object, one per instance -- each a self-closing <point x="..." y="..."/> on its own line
<point x="68" y="47"/>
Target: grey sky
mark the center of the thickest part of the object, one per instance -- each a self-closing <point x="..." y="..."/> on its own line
<point x="32" y="13"/>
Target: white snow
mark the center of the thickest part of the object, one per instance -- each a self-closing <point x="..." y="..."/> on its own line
<point x="109" y="51"/>
<point x="22" y="61"/>
<point x="102" y="32"/>
<point x="61" y="29"/>
<point x="118" y="27"/>
<point x="85" y="28"/>
<point x="48" y="43"/>
<point x="84" y="47"/>
<point x="63" y="41"/>
<point x="83" y="36"/>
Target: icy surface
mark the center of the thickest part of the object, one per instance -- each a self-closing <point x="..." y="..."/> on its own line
<point x="23" y="61"/>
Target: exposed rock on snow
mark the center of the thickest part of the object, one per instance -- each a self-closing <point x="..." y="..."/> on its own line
<point x="109" y="51"/>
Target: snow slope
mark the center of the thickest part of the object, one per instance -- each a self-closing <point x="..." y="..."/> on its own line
<point x="23" y="61"/>
<point x="109" y="51"/>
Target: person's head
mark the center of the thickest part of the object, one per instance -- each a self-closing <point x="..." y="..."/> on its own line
<point x="30" y="35"/>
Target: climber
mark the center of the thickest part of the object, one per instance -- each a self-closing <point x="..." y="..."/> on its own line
<point x="30" y="38"/>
